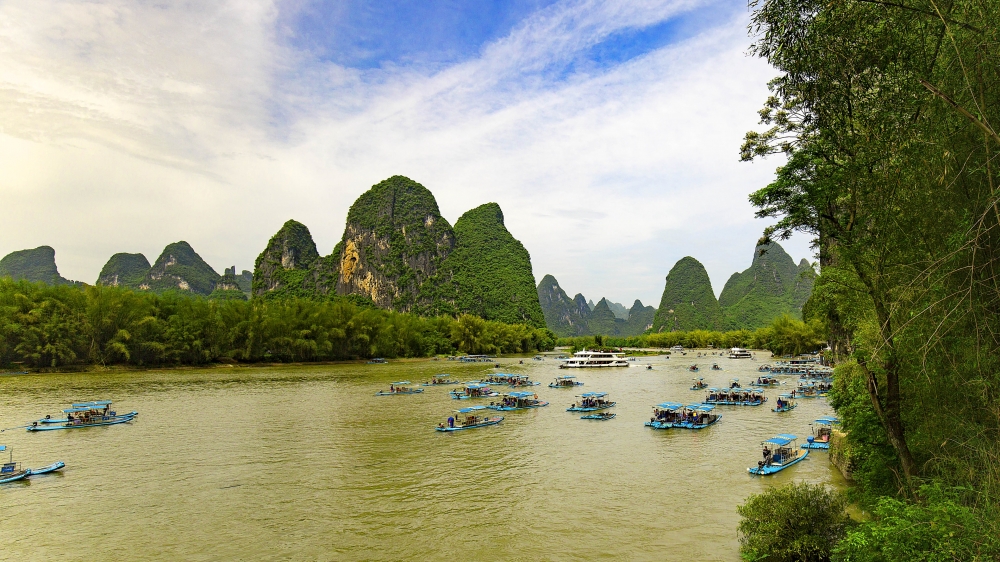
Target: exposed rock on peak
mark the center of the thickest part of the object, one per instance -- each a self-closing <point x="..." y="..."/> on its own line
<point x="124" y="270"/>
<point x="562" y="314"/>
<point x="284" y="262"/>
<point x="180" y="267"/>
<point x="773" y="285"/>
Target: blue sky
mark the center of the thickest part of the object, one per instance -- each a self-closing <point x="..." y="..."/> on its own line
<point x="607" y="131"/>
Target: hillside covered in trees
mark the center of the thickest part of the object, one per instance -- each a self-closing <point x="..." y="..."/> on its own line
<point x="887" y="115"/>
<point x="577" y="317"/>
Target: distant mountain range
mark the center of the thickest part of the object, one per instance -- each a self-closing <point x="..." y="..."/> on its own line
<point x="399" y="253"/>
<point x="773" y="285"/>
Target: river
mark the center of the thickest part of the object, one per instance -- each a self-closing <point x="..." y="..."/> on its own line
<point x="305" y="463"/>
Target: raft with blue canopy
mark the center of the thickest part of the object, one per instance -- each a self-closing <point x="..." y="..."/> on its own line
<point x="697" y="416"/>
<point x="820" y="438"/>
<point x="518" y="400"/>
<point x="665" y="414"/>
<point x="779" y="453"/>
<point x="469" y="418"/>
<point x="785" y="403"/>
<point x="83" y="414"/>
<point x="592" y="402"/>
<point x="400" y="387"/>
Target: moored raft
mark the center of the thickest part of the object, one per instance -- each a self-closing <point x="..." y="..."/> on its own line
<point x="820" y="439"/>
<point x="785" y="403"/>
<point x="518" y="400"/>
<point x="440" y="379"/>
<point x="592" y="402"/>
<point x="735" y="397"/>
<point x="12" y="471"/>
<point x="665" y="414"/>
<point x="473" y="390"/>
<point x="396" y="388"/>
<point x="779" y="453"/>
<point x="565" y="381"/>
<point x="83" y="414"/>
<point x="469" y="418"/>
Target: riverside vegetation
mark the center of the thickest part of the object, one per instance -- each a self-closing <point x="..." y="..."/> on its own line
<point x="45" y="326"/>
<point x="887" y="113"/>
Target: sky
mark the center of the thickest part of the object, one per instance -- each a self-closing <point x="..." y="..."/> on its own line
<point x="608" y="132"/>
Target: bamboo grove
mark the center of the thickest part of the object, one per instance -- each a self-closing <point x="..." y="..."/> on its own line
<point x="888" y="115"/>
<point x="53" y="326"/>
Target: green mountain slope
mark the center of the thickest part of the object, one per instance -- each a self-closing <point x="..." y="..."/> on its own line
<point x="488" y="273"/>
<point x="688" y="302"/>
<point x="640" y="318"/>
<point x="124" y="270"/>
<point x="562" y="315"/>
<point x="773" y="285"/>
<point x="283" y="268"/>
<point x="603" y="321"/>
<point x="35" y="265"/>
<point x="180" y="267"/>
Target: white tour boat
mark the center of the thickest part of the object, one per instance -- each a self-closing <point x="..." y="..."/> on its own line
<point x="588" y="359"/>
<point x="739" y="353"/>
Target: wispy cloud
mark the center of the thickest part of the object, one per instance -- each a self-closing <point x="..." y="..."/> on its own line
<point x="126" y="126"/>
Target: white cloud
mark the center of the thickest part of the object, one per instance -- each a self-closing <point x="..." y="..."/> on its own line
<point x="127" y="126"/>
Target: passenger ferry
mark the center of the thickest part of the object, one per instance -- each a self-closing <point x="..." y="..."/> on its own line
<point x="739" y="353"/>
<point x="589" y="359"/>
<point x="83" y="414"/>
<point x="779" y="453"/>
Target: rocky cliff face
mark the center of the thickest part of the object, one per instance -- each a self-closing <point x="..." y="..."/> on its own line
<point x="179" y="267"/>
<point x="35" y="265"/>
<point x="124" y="270"/>
<point x="283" y="268"/>
<point x="488" y="273"/>
<point x="562" y="314"/>
<point x="688" y="302"/>
<point x="773" y="285"/>
<point x="394" y="241"/>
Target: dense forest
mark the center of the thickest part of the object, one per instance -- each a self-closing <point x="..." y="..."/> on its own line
<point x="888" y="115"/>
<point x="784" y="336"/>
<point x="44" y="326"/>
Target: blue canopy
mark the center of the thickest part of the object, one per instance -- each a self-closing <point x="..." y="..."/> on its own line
<point x="475" y="385"/>
<point x="670" y="405"/>
<point x="786" y="395"/>
<point x="713" y="389"/>
<point x="827" y="420"/>
<point x="521" y="394"/>
<point x="705" y="407"/>
<point x="593" y="394"/>
<point x="781" y="439"/>
<point x="81" y="409"/>
<point x="472" y="409"/>
<point x="400" y="382"/>
<point x="94" y="403"/>
<point x="3" y="447"/>
<point x="566" y="377"/>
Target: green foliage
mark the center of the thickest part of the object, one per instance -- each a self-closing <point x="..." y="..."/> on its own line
<point x="603" y="321"/>
<point x="487" y="274"/>
<point x="180" y="267"/>
<point x="785" y="336"/>
<point x="37" y="265"/>
<point x="51" y="326"/>
<point x="935" y="528"/>
<point x="688" y="302"/>
<point x="794" y="523"/>
<point x="563" y="315"/>
<point x="124" y="270"/>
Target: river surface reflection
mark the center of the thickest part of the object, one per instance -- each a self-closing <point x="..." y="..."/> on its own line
<point x="305" y="463"/>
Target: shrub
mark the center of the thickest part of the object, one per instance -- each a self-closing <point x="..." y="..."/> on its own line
<point x="797" y="522"/>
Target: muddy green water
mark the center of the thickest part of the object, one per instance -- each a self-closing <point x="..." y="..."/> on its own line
<point x="305" y="463"/>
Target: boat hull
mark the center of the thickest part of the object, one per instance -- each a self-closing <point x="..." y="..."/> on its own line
<point x="659" y="425"/>
<point x="783" y="409"/>
<point x="732" y="403"/>
<point x="58" y="465"/>
<point x="384" y="393"/>
<point x="19" y="475"/>
<point x="492" y="421"/>
<point x="598" y="417"/>
<point x="553" y="385"/>
<point x="513" y="408"/>
<point x="771" y="469"/>
<point x="107" y="420"/>
<point x="691" y="425"/>
<point x="815" y="445"/>
<point x="591" y="409"/>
